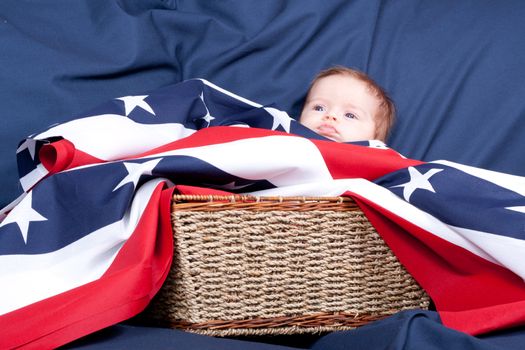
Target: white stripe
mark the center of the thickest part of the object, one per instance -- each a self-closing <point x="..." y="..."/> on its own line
<point x="231" y="94"/>
<point x="505" y="251"/>
<point x="519" y="209"/>
<point x="26" y="279"/>
<point x="282" y="160"/>
<point x="511" y="182"/>
<point x="29" y="180"/>
<point x="500" y="250"/>
<point x="111" y="136"/>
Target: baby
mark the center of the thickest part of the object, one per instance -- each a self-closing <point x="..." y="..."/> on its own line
<point x="345" y="105"/>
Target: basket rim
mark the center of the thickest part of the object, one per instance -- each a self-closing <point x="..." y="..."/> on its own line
<point x="250" y="198"/>
<point x="261" y="203"/>
<point x="320" y="319"/>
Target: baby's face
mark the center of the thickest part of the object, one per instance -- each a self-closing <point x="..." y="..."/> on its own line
<point x="341" y="108"/>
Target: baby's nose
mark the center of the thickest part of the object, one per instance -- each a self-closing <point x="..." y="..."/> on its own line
<point x="330" y="116"/>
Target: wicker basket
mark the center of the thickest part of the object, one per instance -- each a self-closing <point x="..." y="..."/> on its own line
<point x="259" y="266"/>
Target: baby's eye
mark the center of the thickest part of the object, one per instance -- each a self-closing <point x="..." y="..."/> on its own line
<point x="350" y="116"/>
<point x="318" y="108"/>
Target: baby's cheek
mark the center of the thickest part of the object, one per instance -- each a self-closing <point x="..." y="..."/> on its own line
<point x="303" y="119"/>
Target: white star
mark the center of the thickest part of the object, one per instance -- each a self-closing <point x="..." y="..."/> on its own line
<point x="136" y="170"/>
<point x="418" y="181"/>
<point x="208" y="118"/>
<point x="22" y="215"/>
<point x="520" y="209"/>
<point x="130" y="102"/>
<point x="377" y="144"/>
<point x="279" y="118"/>
<point x="30" y="145"/>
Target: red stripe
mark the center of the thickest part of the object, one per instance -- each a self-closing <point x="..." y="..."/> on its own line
<point x="62" y="155"/>
<point x="122" y="292"/>
<point x="346" y="161"/>
<point x="487" y="319"/>
<point x="466" y="288"/>
<point x="213" y="136"/>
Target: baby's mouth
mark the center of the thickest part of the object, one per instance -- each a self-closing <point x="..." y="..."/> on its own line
<point x="326" y="130"/>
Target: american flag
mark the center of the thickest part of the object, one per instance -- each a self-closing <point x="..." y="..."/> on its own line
<point x="90" y="242"/>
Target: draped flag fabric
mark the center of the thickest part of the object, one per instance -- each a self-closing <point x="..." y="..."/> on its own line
<point x="90" y="242"/>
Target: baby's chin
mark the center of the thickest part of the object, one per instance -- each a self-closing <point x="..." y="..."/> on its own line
<point x="337" y="139"/>
<point x="331" y="137"/>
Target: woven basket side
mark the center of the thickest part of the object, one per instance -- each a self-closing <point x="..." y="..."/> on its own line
<point x="240" y="264"/>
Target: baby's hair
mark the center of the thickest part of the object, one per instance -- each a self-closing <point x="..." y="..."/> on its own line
<point x="387" y="111"/>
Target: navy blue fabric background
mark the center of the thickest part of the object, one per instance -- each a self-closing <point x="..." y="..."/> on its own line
<point x="454" y="68"/>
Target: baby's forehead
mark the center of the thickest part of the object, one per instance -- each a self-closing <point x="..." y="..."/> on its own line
<point x="324" y="87"/>
<point x="338" y="81"/>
